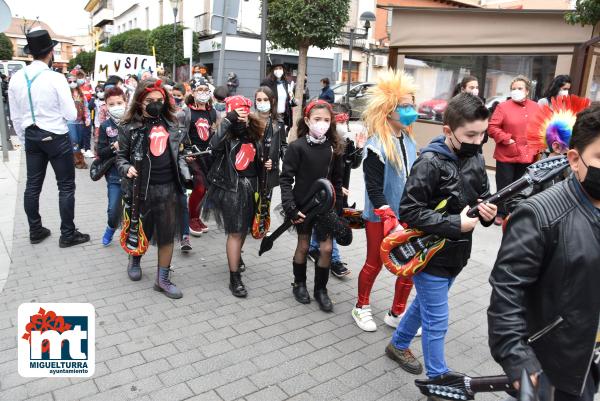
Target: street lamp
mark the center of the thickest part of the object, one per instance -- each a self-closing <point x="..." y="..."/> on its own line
<point x="174" y="5"/>
<point x="367" y="17"/>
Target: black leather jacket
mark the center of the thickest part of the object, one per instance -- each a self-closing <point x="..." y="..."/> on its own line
<point x="129" y="135"/>
<point x="545" y="300"/>
<point x="276" y="131"/>
<point x="438" y="174"/>
<point x="223" y="173"/>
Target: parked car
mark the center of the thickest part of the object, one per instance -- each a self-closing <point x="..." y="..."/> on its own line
<point x="9" y="67"/>
<point x="357" y="100"/>
<point x="434" y="109"/>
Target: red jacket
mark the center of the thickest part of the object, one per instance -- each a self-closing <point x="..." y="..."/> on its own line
<point x="509" y="121"/>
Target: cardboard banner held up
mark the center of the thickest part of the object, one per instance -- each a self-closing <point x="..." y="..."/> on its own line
<point x="122" y="64"/>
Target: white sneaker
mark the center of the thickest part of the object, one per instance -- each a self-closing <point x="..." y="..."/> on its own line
<point x="394" y="321"/>
<point x="88" y="153"/>
<point x="364" y="318"/>
<point x="391" y="320"/>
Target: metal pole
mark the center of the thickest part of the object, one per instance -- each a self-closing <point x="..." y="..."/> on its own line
<point x="223" y="40"/>
<point x="175" y="50"/>
<point x="349" y="77"/>
<point x="3" y="130"/>
<point x="368" y="58"/>
<point x="263" y="41"/>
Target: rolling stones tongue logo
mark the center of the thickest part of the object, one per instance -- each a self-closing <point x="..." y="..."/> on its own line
<point x="244" y="156"/>
<point x="158" y="140"/>
<point x="203" y="128"/>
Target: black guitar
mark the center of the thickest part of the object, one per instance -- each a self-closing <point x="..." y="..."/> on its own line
<point x="537" y="173"/>
<point x="322" y="200"/>
<point x="133" y="238"/>
<point x="459" y="387"/>
<point x="464" y="387"/>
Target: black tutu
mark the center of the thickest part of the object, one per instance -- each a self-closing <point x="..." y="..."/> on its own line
<point x="232" y="211"/>
<point x="161" y="214"/>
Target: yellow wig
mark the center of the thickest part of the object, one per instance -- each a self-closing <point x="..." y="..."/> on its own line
<point x="383" y="99"/>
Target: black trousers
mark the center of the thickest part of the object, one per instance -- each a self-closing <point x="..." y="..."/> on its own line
<point x="506" y="173"/>
<point x="42" y="147"/>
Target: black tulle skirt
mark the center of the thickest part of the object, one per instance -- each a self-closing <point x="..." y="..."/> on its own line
<point x="161" y="213"/>
<point x="232" y="211"/>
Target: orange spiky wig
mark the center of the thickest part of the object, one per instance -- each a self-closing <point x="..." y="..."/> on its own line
<point x="383" y="98"/>
<point x="555" y="124"/>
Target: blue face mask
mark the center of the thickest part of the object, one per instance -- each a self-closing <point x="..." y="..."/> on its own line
<point x="80" y="81"/>
<point x="408" y="115"/>
<point x="219" y="106"/>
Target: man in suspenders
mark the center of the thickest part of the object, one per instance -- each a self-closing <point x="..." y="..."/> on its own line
<point x="40" y="106"/>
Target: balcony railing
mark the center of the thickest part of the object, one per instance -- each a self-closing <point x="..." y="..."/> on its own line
<point x="202" y="23"/>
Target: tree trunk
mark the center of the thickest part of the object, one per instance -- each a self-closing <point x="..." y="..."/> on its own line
<point x="299" y="94"/>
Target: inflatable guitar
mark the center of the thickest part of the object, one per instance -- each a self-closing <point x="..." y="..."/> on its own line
<point x="354" y="218"/>
<point x="407" y="252"/>
<point x="133" y="238"/>
<point x="262" y="217"/>
<point x="321" y="201"/>
<point x="457" y="387"/>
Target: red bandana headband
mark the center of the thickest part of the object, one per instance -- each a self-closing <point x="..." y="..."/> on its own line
<point x="312" y="104"/>
<point x="157" y="86"/>
<point x="236" y="102"/>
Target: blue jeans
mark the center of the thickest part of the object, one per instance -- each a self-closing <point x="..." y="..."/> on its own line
<point x="429" y="310"/>
<point x="113" y="187"/>
<point x="185" y="216"/>
<point x="76" y="134"/>
<point x="314" y="245"/>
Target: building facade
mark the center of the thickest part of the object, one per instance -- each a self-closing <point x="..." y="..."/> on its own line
<point x="19" y="27"/>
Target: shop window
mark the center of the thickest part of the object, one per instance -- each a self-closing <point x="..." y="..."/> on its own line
<point x="437" y="75"/>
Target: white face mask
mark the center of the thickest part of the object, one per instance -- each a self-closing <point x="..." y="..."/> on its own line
<point x="563" y="92"/>
<point x="475" y="92"/>
<point x="517" y="95"/>
<point x="263" y="107"/>
<point x="202" y="97"/>
<point x="116" y="112"/>
<point x="73" y="85"/>
<point x="100" y="95"/>
<point x="318" y="129"/>
<point x="278" y="73"/>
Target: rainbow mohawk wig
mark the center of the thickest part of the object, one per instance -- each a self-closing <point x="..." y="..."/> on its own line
<point x="555" y="124"/>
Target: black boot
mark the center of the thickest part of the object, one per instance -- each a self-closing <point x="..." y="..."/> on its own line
<point x="134" y="270"/>
<point x="299" y="285"/>
<point x="39" y="235"/>
<point x="321" y="278"/>
<point x="75" y="239"/>
<point x="236" y="285"/>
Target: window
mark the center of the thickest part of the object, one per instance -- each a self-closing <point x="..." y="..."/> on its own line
<point x="147" y="18"/>
<point x="130" y="24"/>
<point x="57" y="50"/>
<point x="354" y="71"/>
<point x="437" y="75"/>
<point x="135" y="22"/>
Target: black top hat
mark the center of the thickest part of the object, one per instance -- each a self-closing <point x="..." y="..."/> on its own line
<point x="39" y="43"/>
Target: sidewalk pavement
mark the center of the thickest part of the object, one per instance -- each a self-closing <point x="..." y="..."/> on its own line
<point x="212" y="346"/>
<point x="9" y="184"/>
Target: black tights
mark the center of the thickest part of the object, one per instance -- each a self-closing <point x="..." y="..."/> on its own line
<point x="325" y="250"/>
<point x="234" y="245"/>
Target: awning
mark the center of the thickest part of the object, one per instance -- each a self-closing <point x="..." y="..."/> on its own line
<point x="472" y="31"/>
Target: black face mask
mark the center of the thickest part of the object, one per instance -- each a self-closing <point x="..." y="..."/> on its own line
<point x="466" y="149"/>
<point x="154" y="109"/>
<point x="591" y="183"/>
<point x="51" y="62"/>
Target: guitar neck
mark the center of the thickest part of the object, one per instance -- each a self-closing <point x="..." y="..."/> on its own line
<point x="488" y="384"/>
<point x="504" y="194"/>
